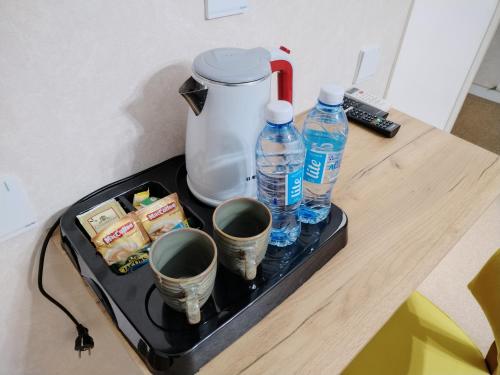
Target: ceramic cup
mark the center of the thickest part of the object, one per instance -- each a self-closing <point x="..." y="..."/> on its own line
<point x="184" y="264"/>
<point x="241" y="231"/>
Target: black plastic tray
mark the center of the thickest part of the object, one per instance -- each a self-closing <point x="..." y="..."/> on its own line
<point x="161" y="336"/>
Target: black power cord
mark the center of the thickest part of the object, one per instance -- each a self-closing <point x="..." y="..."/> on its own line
<point x="83" y="342"/>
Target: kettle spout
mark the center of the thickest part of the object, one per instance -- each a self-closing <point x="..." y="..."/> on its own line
<point x="195" y="94"/>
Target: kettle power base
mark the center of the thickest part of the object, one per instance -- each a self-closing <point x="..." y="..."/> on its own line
<point x="161" y="336"/>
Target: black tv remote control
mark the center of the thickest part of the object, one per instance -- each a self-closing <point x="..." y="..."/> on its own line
<point x="370" y="117"/>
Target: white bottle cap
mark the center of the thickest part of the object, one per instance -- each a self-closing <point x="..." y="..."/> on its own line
<point x="279" y="112"/>
<point x="331" y="94"/>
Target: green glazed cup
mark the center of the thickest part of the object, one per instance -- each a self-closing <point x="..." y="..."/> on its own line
<point x="241" y="231"/>
<point x="184" y="264"/>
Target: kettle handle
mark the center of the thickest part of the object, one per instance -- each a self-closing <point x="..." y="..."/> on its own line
<point x="281" y="63"/>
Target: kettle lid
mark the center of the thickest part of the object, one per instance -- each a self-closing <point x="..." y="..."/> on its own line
<point x="233" y="65"/>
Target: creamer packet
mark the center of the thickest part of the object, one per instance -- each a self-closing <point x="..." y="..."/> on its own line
<point x="122" y="244"/>
<point x="162" y="216"/>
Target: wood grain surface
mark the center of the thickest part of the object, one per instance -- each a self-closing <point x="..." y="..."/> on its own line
<point x="409" y="199"/>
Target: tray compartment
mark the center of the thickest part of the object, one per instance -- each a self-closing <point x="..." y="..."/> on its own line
<point x="156" y="189"/>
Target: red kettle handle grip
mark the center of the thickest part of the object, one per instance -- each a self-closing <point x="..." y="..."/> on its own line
<point x="285" y="77"/>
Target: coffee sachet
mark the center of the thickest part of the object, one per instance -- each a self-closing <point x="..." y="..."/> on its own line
<point x="122" y="244"/>
<point x="162" y="216"/>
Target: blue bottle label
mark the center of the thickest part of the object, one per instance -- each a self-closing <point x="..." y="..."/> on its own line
<point x="293" y="187"/>
<point x="322" y="167"/>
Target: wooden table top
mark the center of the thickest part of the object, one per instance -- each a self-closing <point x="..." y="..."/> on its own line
<point x="409" y="199"/>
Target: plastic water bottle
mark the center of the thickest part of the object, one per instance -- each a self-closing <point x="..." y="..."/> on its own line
<point x="280" y="156"/>
<point x="325" y="134"/>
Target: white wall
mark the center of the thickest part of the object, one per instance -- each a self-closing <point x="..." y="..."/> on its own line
<point x="88" y="94"/>
<point x="438" y="50"/>
<point x="488" y="74"/>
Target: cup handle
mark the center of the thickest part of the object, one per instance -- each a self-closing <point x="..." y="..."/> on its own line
<point x="192" y="305"/>
<point x="250" y="265"/>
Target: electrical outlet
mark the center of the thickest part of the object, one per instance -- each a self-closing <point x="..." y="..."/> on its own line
<point x="223" y="8"/>
<point x="367" y="64"/>
<point x="16" y="215"/>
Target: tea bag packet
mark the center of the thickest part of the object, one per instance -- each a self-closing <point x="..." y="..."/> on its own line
<point x="162" y="216"/>
<point x="122" y="244"/>
<point x="139" y="198"/>
<point x="97" y="218"/>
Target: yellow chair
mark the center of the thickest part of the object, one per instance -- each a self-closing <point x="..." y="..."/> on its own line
<point x="486" y="289"/>
<point x="421" y="339"/>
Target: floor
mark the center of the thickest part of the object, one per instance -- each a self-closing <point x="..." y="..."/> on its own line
<point x="479" y="122"/>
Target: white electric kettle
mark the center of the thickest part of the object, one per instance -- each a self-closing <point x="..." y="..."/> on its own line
<point x="227" y="93"/>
